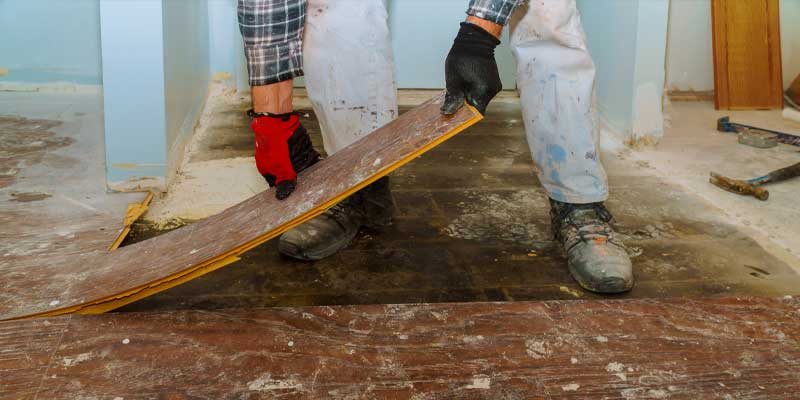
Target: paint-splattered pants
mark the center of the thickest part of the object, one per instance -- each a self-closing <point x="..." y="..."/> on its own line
<point x="349" y="70"/>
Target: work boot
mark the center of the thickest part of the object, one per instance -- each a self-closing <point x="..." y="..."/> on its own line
<point x="596" y="258"/>
<point x="332" y="231"/>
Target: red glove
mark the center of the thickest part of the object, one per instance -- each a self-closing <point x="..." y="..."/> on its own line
<point x="283" y="149"/>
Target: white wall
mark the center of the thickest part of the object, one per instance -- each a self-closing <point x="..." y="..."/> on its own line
<point x="226" y="50"/>
<point x="651" y="45"/>
<point x="690" y="62"/>
<point x="690" y="58"/>
<point x="790" y="39"/>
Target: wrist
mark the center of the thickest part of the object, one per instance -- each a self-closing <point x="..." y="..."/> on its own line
<point x="493" y="28"/>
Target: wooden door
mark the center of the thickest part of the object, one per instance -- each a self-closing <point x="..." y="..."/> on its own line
<point x="747" y="54"/>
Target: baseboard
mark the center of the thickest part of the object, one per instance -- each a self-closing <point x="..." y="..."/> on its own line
<point x="691" y="95"/>
<point x="144" y="184"/>
<point x="177" y="152"/>
<point x="52" y="87"/>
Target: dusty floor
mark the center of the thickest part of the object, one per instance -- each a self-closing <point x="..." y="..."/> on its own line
<point x="53" y="199"/>
<point x="692" y="148"/>
<point x="472" y="223"/>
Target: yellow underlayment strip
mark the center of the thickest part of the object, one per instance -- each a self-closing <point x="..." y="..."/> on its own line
<point x="132" y="213"/>
<point x="112" y="302"/>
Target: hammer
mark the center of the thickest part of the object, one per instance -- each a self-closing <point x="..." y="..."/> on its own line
<point x="751" y="187"/>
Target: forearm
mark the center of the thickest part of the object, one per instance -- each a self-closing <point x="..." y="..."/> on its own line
<point x="496" y="11"/>
<point x="494" y="28"/>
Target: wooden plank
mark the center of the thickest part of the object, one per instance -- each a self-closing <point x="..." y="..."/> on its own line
<point x="99" y="281"/>
<point x="747" y="54"/>
<point x="691" y="95"/>
<point x="25" y="355"/>
<point x="741" y="348"/>
<point x="133" y="212"/>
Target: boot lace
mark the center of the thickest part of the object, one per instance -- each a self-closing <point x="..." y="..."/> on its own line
<point x="345" y="210"/>
<point x="577" y="223"/>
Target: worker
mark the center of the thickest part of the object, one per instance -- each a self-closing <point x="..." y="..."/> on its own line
<point x="344" y="49"/>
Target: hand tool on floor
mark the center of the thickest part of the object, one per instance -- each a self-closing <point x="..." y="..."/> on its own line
<point x="757" y="139"/>
<point x="752" y="187"/>
<point x="724" y="124"/>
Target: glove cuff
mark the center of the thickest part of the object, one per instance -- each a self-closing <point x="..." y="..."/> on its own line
<point x="474" y="40"/>
<point x="284" y="117"/>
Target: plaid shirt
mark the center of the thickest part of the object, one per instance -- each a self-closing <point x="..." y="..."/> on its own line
<point x="273" y="34"/>
<point x="497" y="11"/>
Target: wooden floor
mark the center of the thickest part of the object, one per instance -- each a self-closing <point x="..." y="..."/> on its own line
<point x="727" y="348"/>
<point x="472" y="224"/>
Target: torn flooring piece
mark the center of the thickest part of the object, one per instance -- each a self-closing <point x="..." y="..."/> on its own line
<point x="97" y="282"/>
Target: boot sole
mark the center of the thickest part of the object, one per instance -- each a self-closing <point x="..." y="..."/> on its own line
<point x="289" y="249"/>
<point x="611" y="286"/>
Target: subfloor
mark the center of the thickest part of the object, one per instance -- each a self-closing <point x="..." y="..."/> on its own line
<point x="472" y="224"/>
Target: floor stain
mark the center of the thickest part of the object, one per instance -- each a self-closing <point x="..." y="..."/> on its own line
<point x="25" y="142"/>
<point x="28" y="197"/>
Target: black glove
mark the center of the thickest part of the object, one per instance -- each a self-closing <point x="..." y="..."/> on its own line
<point x="471" y="70"/>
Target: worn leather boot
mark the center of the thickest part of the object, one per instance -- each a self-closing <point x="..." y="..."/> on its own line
<point x="323" y="236"/>
<point x="597" y="260"/>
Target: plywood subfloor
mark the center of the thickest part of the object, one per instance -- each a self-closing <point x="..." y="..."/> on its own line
<point x="97" y="282"/>
<point x="738" y="348"/>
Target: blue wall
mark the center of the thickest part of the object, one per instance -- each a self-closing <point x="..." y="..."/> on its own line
<point x="156" y="82"/>
<point x="422" y="40"/>
<point x="225" y="42"/>
<point x="50" y="41"/>
<point x="613" y="47"/>
<point x="133" y="89"/>
<point x="627" y="39"/>
<point x="158" y="55"/>
<point x="186" y="70"/>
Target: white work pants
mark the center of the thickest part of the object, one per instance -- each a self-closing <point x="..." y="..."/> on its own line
<point x="349" y="73"/>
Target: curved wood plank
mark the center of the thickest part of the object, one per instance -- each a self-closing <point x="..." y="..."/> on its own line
<point x="98" y="282"/>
